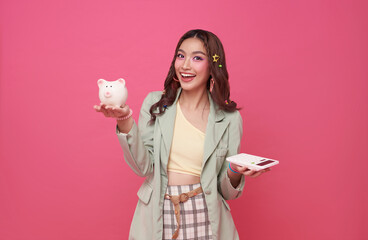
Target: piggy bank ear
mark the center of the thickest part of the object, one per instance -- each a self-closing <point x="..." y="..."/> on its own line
<point x="100" y="82"/>
<point x="121" y="81"/>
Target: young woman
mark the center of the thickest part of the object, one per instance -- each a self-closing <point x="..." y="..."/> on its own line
<point x="183" y="136"/>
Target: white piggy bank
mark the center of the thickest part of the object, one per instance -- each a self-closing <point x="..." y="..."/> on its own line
<point x="113" y="93"/>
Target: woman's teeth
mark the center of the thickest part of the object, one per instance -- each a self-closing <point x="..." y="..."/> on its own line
<point x="187" y="75"/>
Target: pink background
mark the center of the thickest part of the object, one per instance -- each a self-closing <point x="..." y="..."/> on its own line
<point x="298" y="69"/>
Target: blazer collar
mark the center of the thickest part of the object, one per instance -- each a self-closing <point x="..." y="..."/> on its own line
<point x="216" y="126"/>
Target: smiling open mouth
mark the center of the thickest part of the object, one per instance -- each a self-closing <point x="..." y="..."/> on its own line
<point x="185" y="75"/>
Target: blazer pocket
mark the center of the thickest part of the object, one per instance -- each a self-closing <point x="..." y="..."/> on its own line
<point x="145" y="192"/>
<point x="220" y="158"/>
<point x="221" y="152"/>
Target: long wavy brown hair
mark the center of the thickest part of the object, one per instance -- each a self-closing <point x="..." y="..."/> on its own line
<point x="218" y="72"/>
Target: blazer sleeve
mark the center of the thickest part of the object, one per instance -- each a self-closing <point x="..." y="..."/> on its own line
<point x="137" y="144"/>
<point x="225" y="187"/>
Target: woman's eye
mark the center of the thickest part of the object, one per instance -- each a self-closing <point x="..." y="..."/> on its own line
<point x="197" y="58"/>
<point x="179" y="55"/>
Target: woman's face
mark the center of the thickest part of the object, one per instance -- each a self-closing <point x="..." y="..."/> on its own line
<point x="192" y="66"/>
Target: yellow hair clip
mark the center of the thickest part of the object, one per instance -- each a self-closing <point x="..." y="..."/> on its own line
<point x="215" y="57"/>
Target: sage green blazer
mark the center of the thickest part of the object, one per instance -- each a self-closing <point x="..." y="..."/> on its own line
<point x="146" y="150"/>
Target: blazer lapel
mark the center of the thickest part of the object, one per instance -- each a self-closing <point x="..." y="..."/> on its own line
<point x="167" y="124"/>
<point x="216" y="127"/>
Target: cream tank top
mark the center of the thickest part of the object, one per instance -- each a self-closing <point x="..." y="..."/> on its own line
<point x="186" y="154"/>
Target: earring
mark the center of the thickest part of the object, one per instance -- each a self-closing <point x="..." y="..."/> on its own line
<point x="212" y="82"/>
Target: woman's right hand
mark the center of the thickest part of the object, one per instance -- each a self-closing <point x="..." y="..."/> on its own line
<point x="111" y="111"/>
<point x="117" y="112"/>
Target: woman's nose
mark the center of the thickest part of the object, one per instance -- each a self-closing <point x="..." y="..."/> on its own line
<point x="186" y="64"/>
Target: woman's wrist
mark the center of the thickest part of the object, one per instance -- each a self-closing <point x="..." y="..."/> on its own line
<point x="234" y="176"/>
<point x="125" y="123"/>
<point x="124" y="126"/>
<point x="125" y="117"/>
<point x="232" y="169"/>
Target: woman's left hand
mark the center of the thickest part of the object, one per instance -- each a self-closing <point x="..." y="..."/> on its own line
<point x="248" y="172"/>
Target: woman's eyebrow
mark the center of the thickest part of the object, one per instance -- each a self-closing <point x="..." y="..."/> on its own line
<point x="195" y="52"/>
<point x="200" y="52"/>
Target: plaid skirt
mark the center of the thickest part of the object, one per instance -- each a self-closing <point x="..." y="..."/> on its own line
<point x="194" y="223"/>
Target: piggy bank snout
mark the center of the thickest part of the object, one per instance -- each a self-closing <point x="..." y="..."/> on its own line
<point x="107" y="94"/>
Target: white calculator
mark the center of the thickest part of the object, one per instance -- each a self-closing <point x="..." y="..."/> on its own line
<point x="251" y="161"/>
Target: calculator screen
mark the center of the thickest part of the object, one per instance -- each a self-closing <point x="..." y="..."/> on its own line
<point x="265" y="163"/>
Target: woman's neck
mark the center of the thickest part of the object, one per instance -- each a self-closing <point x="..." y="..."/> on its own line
<point x="194" y="100"/>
